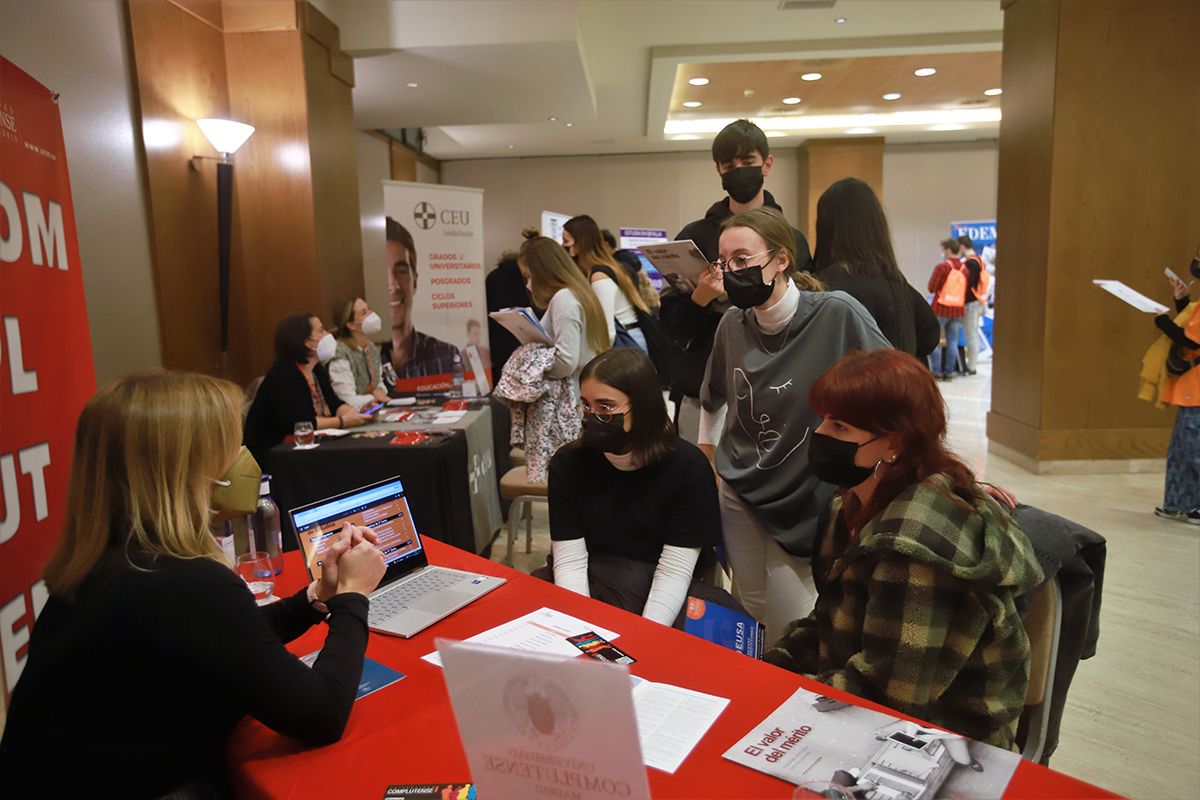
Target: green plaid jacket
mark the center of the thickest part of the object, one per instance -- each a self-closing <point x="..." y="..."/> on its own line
<point x="918" y="613"/>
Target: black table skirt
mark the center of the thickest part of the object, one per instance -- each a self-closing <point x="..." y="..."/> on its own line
<point x="434" y="476"/>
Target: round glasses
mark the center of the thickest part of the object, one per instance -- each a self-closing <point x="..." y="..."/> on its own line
<point x="603" y="413"/>
<point x="739" y="263"/>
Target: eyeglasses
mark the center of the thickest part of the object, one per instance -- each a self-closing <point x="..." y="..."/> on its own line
<point x="739" y="263"/>
<point x="602" y="412"/>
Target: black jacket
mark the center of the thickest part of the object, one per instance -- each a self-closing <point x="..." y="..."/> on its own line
<point x="505" y="289"/>
<point x="691" y="327"/>
<point x="283" y="400"/>
<point x="900" y="311"/>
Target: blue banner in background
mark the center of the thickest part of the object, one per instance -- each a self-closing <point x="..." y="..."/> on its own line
<point x="982" y="232"/>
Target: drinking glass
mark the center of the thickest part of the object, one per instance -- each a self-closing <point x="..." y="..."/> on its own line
<point x="304" y="434"/>
<point x="256" y="570"/>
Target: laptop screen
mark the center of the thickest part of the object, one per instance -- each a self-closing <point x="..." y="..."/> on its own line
<point x="381" y="507"/>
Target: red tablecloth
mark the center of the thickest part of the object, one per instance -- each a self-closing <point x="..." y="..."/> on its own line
<point x="405" y="733"/>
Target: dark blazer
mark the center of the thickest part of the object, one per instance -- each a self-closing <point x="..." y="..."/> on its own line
<point x="900" y="311"/>
<point x="283" y="400"/>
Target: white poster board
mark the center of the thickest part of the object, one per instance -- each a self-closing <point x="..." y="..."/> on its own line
<point x="552" y="225"/>
<point x="535" y="725"/>
<point x="430" y="292"/>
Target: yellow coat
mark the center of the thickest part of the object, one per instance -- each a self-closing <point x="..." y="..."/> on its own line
<point x="1154" y="375"/>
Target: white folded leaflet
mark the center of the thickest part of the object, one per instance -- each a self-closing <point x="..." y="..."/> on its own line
<point x="542" y="631"/>
<point x="1132" y="297"/>
<point x="536" y="725"/>
<point x="680" y="257"/>
<point x="523" y="324"/>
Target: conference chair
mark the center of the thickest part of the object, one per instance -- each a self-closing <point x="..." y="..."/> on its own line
<point x="516" y="486"/>
<point x="1043" y="626"/>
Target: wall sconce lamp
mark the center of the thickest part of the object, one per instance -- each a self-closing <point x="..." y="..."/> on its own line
<point x="226" y="136"/>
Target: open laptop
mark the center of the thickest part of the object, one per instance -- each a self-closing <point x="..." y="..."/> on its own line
<point x="412" y="595"/>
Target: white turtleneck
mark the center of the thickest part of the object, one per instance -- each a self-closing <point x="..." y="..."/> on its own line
<point x="775" y="318"/>
<point x="770" y="320"/>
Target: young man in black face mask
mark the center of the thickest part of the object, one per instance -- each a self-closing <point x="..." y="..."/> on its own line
<point x="690" y="314"/>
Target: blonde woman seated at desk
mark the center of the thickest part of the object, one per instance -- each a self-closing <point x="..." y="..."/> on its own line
<point x="150" y="649"/>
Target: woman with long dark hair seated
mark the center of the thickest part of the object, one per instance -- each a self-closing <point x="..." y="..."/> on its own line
<point x="150" y="649"/>
<point x="918" y="569"/>
<point x="632" y="506"/>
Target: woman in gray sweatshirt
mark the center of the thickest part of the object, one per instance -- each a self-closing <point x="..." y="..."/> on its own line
<point x="767" y="352"/>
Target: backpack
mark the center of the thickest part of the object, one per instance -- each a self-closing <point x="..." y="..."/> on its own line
<point x="985" y="280"/>
<point x="953" y="293"/>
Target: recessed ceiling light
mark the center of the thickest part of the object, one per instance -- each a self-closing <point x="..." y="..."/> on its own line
<point x="948" y="127"/>
<point x="411" y="85"/>
<point x="892" y="96"/>
<point x="698" y="81"/>
<point x="692" y="104"/>
<point x="840" y="20"/>
<point x="993" y="92"/>
<point x="685" y="137"/>
<point x="747" y="93"/>
<point x="570" y="124"/>
<point x="924" y="72"/>
<point x="861" y="130"/>
<point x="511" y="146"/>
<point x="791" y="101"/>
<point x="811" y="76"/>
<point x="553" y="119"/>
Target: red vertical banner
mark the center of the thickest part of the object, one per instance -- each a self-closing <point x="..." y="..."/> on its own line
<point x="46" y="372"/>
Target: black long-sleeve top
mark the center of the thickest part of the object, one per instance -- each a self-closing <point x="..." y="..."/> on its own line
<point x="1173" y="331"/>
<point x="132" y="687"/>
<point x="283" y="399"/>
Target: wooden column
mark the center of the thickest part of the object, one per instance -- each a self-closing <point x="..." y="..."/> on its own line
<point x="825" y="161"/>
<point x="1098" y="171"/>
<point x="276" y="65"/>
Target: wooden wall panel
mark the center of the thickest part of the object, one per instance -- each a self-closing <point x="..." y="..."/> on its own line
<point x="1023" y="219"/>
<point x="334" y="180"/>
<point x="274" y="203"/>
<point x="826" y="161"/>
<point x="180" y="64"/>
<point x="1125" y="200"/>
<point x="1098" y="165"/>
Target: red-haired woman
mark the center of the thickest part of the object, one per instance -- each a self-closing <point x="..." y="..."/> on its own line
<point x="918" y="568"/>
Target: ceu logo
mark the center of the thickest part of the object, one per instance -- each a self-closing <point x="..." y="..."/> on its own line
<point x="425" y="215"/>
<point x="541" y="711"/>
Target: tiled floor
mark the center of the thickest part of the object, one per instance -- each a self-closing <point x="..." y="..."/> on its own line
<point x="1132" y="723"/>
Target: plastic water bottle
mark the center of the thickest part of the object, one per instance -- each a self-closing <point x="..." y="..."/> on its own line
<point x="268" y="536"/>
<point x="456" y="376"/>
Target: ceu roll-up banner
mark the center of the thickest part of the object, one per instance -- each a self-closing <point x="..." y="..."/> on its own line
<point x="436" y="301"/>
<point x="45" y="350"/>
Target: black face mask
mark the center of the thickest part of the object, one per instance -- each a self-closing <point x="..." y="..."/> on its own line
<point x="745" y="287"/>
<point x="1196" y="268"/>
<point x="832" y="460"/>
<point x="607" y="437"/>
<point x="742" y="183"/>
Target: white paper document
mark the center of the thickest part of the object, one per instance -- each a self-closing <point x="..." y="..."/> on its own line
<point x="332" y="433"/>
<point x="542" y="631"/>
<point x="1132" y="297"/>
<point x="680" y="257"/>
<point x="448" y="417"/>
<point x="671" y="721"/>
<point x="543" y="726"/>
<point x="523" y="324"/>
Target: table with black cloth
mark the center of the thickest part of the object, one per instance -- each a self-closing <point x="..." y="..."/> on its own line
<point x="405" y="733"/>
<point x="439" y="479"/>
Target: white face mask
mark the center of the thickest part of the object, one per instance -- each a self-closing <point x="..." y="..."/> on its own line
<point x="371" y="324"/>
<point x="326" y="347"/>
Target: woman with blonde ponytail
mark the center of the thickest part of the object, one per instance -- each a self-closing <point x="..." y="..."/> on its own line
<point x="150" y="649"/>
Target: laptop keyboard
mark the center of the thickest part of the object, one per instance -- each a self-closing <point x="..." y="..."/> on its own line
<point x="404" y="595"/>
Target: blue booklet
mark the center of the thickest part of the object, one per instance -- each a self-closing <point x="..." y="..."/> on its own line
<point x="375" y="676"/>
<point x="724" y="626"/>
